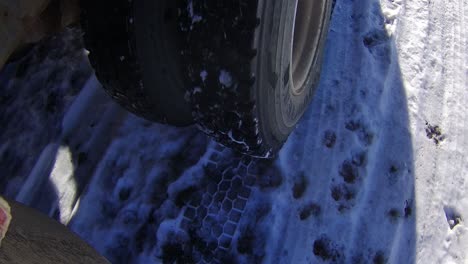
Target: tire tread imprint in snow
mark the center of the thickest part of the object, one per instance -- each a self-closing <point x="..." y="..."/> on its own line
<point x="212" y="214"/>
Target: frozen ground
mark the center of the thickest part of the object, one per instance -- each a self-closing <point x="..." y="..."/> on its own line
<point x="375" y="172"/>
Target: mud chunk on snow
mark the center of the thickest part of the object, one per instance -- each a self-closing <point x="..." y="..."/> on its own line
<point x="434" y="133"/>
<point x="325" y="249"/>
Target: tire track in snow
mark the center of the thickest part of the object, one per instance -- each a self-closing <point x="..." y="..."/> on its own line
<point x="438" y="97"/>
<point x="451" y="161"/>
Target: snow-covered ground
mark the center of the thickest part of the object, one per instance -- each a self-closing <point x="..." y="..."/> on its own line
<point x="374" y="173"/>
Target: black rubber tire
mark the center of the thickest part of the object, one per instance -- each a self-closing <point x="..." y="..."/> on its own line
<point x="135" y="51"/>
<point x="237" y="58"/>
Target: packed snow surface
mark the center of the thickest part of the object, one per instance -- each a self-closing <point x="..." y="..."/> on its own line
<point x="376" y="171"/>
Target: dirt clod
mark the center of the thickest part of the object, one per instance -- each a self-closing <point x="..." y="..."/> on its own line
<point x="434" y="133"/>
<point x="325" y="249"/>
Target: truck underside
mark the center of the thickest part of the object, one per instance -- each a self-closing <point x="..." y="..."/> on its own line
<point x="24" y="22"/>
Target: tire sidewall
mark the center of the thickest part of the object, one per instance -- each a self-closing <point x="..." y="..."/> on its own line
<point x="279" y="108"/>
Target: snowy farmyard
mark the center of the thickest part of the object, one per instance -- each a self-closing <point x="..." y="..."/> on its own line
<point x="375" y="172"/>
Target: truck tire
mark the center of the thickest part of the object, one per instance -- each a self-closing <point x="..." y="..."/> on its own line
<point x="135" y="50"/>
<point x="253" y="66"/>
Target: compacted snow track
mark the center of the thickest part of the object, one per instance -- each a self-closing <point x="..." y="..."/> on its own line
<point x="374" y="173"/>
<point x="433" y="49"/>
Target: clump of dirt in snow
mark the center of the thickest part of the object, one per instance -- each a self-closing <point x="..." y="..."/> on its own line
<point x="344" y="196"/>
<point x="325" y="249"/>
<point x="349" y="172"/>
<point x="434" y="133"/>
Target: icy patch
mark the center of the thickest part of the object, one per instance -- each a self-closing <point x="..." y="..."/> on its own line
<point x="225" y="78"/>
